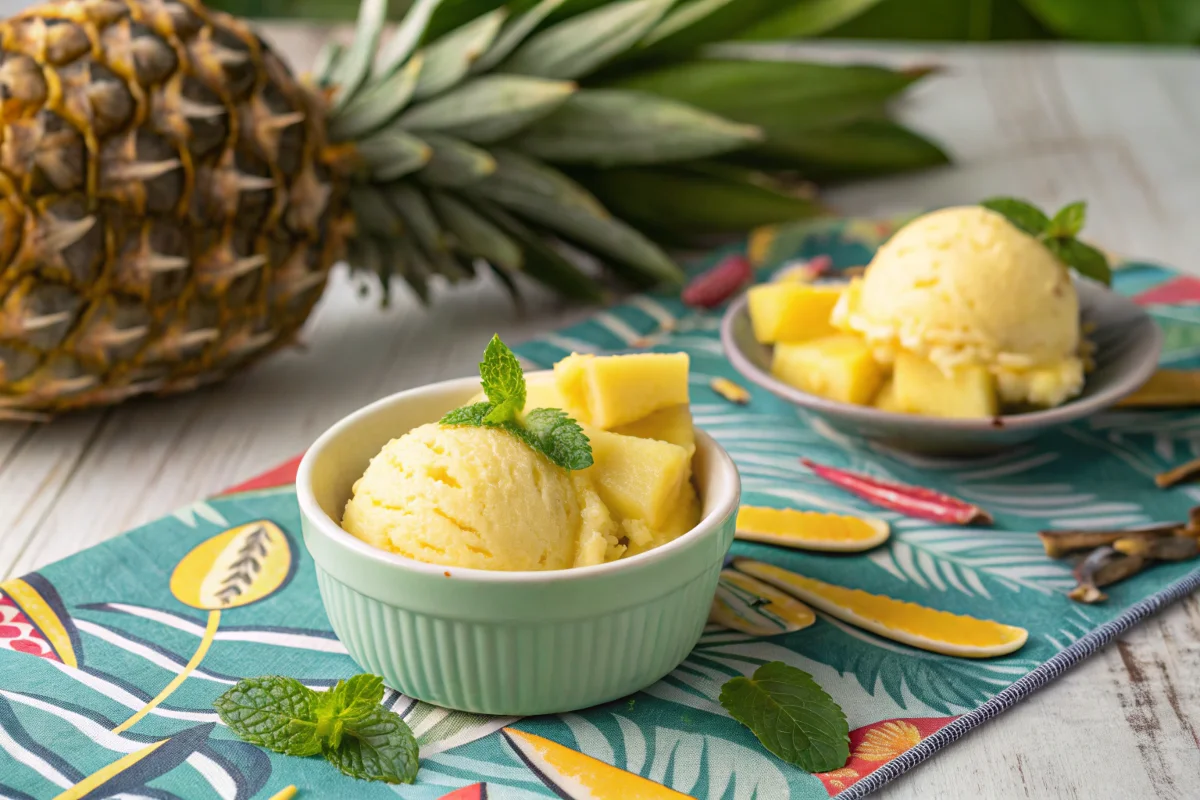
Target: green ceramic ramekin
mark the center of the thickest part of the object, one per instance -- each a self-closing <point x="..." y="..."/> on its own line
<point x="509" y="643"/>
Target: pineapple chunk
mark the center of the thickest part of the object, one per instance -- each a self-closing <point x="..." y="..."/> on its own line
<point x="542" y="392"/>
<point x="792" y="311"/>
<point x="608" y="391"/>
<point x="673" y="424"/>
<point x="886" y="400"/>
<point x="638" y="478"/>
<point x="836" y="367"/>
<point x="922" y="388"/>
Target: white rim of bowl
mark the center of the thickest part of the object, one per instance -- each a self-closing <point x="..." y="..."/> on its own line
<point x="727" y="500"/>
<point x="869" y="414"/>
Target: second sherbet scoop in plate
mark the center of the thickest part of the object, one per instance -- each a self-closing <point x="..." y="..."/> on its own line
<point x="1127" y="347"/>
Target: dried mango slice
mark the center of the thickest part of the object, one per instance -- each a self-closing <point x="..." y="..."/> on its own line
<point x="569" y="773"/>
<point x="750" y="606"/>
<point x="908" y="623"/>
<point x="810" y="530"/>
<point x="730" y="391"/>
<point x="1167" y="388"/>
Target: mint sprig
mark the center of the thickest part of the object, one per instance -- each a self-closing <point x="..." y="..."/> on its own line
<point x="791" y="715"/>
<point x="345" y="724"/>
<point x="549" y="431"/>
<point x="1058" y="234"/>
<point x="552" y="432"/>
<point x="503" y="382"/>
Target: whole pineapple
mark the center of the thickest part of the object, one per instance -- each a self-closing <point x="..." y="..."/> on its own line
<point x="172" y="198"/>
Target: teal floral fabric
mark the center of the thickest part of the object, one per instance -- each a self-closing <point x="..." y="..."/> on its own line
<point x="109" y="663"/>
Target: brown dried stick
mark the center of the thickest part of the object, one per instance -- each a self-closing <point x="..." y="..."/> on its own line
<point x="1168" y="548"/>
<point x="1060" y="543"/>
<point x="1180" y="474"/>
<point x="1102" y="567"/>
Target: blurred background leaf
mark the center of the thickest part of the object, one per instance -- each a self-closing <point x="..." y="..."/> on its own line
<point x="1171" y="21"/>
<point x="1156" y="21"/>
<point x="955" y="20"/>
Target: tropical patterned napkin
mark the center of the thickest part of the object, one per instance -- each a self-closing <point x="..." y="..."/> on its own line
<point x="110" y="659"/>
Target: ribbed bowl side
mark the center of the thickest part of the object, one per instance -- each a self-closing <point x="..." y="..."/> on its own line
<point x="493" y="667"/>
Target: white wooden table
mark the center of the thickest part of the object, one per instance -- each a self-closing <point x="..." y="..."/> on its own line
<point x="1119" y="127"/>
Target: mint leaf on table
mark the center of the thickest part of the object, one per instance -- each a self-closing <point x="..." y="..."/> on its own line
<point x="345" y="724"/>
<point x="277" y="713"/>
<point x="503" y="382"/>
<point x="559" y="437"/>
<point x="549" y="431"/>
<point x="348" y="701"/>
<point x="355" y="696"/>
<point x="1068" y="222"/>
<point x="1025" y="216"/>
<point x="791" y="715"/>
<point x="377" y="747"/>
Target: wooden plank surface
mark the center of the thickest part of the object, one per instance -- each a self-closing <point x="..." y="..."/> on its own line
<point x="1120" y="127"/>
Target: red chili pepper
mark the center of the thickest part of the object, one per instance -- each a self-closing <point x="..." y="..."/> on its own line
<point x="914" y="501"/>
<point x="720" y="283"/>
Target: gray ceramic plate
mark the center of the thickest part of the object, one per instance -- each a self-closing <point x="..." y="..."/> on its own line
<point x="1128" y="344"/>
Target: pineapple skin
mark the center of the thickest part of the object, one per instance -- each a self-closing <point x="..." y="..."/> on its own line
<point x="169" y="208"/>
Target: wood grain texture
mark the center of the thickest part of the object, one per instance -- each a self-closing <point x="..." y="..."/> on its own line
<point x="1120" y="127"/>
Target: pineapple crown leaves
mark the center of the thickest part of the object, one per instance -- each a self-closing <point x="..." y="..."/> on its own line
<point x="1057" y="233"/>
<point x="505" y="121"/>
<point x="549" y="431"/>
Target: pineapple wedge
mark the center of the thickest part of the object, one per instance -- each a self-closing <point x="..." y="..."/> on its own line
<point x="835" y="367"/>
<point x="673" y="424"/>
<point x="610" y="391"/>
<point x="542" y="392"/>
<point x="885" y="399"/>
<point x="792" y="311"/>
<point x="922" y="388"/>
<point x="639" y="479"/>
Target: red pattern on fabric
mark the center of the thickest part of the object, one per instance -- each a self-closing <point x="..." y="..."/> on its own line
<point x="17" y="632"/>
<point x="476" y="791"/>
<point x="1176" y="291"/>
<point x="872" y="746"/>
<point x="283" y="475"/>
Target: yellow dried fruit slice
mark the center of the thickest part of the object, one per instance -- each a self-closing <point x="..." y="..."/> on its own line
<point x="569" y="773"/>
<point x="908" y="623"/>
<point x="1167" y="388"/>
<point x="730" y="391"/>
<point x="810" y="530"/>
<point x="759" y="609"/>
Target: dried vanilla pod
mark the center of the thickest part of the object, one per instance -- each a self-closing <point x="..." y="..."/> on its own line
<point x="1102" y="567"/>
<point x="1059" y="543"/>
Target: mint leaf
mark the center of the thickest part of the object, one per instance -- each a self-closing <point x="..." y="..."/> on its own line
<point x="345" y="724"/>
<point x="274" y="712"/>
<point x="1086" y="259"/>
<point x="559" y="437"/>
<point x="1025" y="216"/>
<point x="1068" y="222"/>
<point x="377" y="747"/>
<point x="354" y="697"/>
<point x="503" y="382"/>
<point x="473" y="415"/>
<point x="791" y="715"/>
<point x="549" y="431"/>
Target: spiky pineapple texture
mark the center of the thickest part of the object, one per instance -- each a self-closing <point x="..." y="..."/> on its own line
<point x="173" y="198"/>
